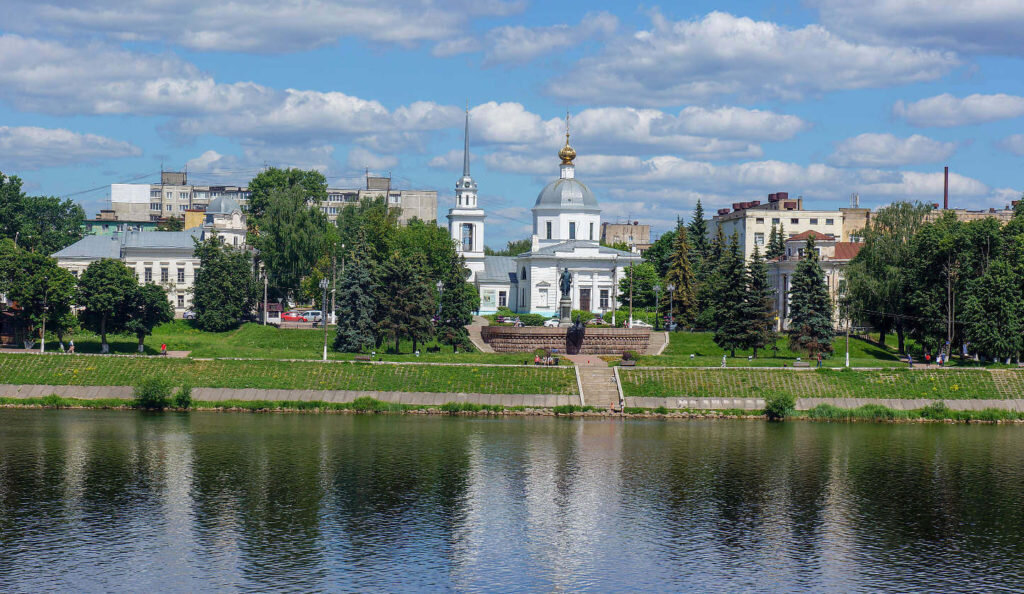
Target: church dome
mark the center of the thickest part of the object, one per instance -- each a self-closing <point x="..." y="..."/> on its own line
<point x="568" y="193"/>
<point x="222" y="205"/>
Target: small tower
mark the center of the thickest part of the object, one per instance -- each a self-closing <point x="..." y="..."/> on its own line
<point x="466" y="219"/>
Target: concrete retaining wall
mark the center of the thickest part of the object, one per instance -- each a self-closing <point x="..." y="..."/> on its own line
<point x="596" y="340"/>
<point x="221" y="394"/>
<point x="809" y="403"/>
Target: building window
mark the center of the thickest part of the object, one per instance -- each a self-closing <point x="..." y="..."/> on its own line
<point x="775" y="221"/>
<point x="814" y="221"/>
<point x="170" y="207"/>
<point x="154" y="193"/>
<point x="154" y="206"/>
<point x="604" y="299"/>
<point x="182" y="196"/>
<point x="148" y="275"/>
<point x="794" y="221"/>
<point x="181" y="300"/>
<point x="830" y="221"/>
<point x="467" y="237"/>
<point x="543" y="297"/>
<point x="169" y="195"/>
<point x="182" y="207"/>
<point x="164" y="275"/>
<point x="502" y="299"/>
<point x="572" y="230"/>
<point x="759" y="220"/>
<point x="591" y="231"/>
<point x="181" y="275"/>
<point x="548" y="227"/>
<point x="523" y="275"/>
<point x="758" y="238"/>
<point x="75" y="272"/>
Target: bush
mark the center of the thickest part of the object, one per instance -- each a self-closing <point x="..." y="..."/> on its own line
<point x="53" y="401"/>
<point x="585" y="316"/>
<point x="661" y="410"/>
<point x="152" y="393"/>
<point x="630" y="356"/>
<point x="568" y="409"/>
<point x="778" y="405"/>
<point x="183" y="397"/>
<point x="937" y="411"/>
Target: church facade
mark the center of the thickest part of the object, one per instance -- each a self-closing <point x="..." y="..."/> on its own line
<point x="566" y="233"/>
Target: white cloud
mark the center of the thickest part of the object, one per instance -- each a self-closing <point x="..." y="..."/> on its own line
<point x="214" y="167"/>
<point x="454" y="47"/>
<point x="736" y="122"/>
<point x="946" y="110"/>
<point x="975" y="26"/>
<point x="518" y="44"/>
<point x="723" y="55"/>
<point x="30" y="147"/>
<point x="886" y="150"/>
<point x="1013" y="144"/>
<point x="361" y="158"/>
<point x="450" y="160"/>
<point x="259" y="26"/>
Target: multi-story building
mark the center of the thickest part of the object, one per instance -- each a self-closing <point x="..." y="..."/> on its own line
<point x="173" y="196"/>
<point x="752" y="222"/>
<point x="833" y="255"/>
<point x="633" y="234"/>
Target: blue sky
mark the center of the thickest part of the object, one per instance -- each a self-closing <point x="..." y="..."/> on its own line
<point x="725" y="101"/>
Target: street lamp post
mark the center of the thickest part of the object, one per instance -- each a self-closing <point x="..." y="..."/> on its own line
<point x="46" y="288"/>
<point x="440" y="292"/>
<point x="671" y="288"/>
<point x="323" y="318"/>
<point x="631" y="286"/>
<point x="657" y="306"/>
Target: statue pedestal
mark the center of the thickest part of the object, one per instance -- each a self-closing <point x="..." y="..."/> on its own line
<point x="564" y="312"/>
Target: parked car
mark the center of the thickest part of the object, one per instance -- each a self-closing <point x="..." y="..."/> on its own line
<point x="293" y="316"/>
<point x="597" y="322"/>
<point x="188" y="315"/>
<point x="552" y="323"/>
<point x="313" y="315"/>
<point x="640" y="324"/>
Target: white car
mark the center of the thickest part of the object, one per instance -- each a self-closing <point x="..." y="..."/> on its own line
<point x="639" y="324"/>
<point x="552" y="323"/>
<point x="313" y="315"/>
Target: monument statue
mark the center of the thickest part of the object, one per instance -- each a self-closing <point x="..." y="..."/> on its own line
<point x="566" y="282"/>
<point x="574" y="336"/>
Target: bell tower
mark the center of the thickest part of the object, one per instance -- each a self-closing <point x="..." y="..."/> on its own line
<point x="466" y="218"/>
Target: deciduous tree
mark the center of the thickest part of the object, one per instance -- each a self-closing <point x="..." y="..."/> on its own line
<point x="106" y="291"/>
<point x="223" y="290"/>
<point x="149" y="308"/>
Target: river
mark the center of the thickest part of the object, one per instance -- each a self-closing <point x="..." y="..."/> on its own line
<point x="120" y="500"/>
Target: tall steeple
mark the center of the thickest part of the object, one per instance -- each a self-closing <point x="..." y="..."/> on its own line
<point x="465" y="188"/>
<point x="466" y="219"/>
<point x="465" y="150"/>
<point x="567" y="154"/>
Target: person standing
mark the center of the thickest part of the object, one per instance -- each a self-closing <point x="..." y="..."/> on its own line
<point x="723" y="360"/>
<point x="71" y="346"/>
<point x="163" y="348"/>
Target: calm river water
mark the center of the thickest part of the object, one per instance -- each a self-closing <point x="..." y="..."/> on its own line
<point x="101" y="500"/>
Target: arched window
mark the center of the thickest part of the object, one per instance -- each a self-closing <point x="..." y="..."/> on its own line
<point x="467" y="237"/>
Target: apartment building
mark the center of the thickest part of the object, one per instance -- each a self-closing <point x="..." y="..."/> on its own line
<point x="173" y="196"/>
<point x="630" y="233"/>
<point x="752" y="222"/>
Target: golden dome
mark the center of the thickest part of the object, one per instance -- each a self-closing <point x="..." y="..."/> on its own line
<point x="567" y="154"/>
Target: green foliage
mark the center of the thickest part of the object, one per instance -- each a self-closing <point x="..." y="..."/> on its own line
<point x="54" y="401"/>
<point x="660" y="252"/>
<point x="369" y="225"/>
<point x="568" y="409"/>
<point x="512" y="248"/>
<point x="697" y="233"/>
<point x="811" y="328"/>
<point x="729" y="282"/>
<point x="993" y="312"/>
<point x="39" y="287"/>
<point x="618" y="245"/>
<point x="409" y="300"/>
<point x="707" y="279"/>
<point x="224" y="287"/>
<point x="171" y="224"/>
<point x="106" y="290"/>
<point x="778" y="405"/>
<point x="757" y="310"/>
<point x="357" y="303"/>
<point x="148" y="309"/>
<point x="42" y="224"/>
<point x="776" y="243"/>
<point x="680" y="275"/>
<point x="310" y="186"/>
<point x="460" y="407"/>
<point x="936" y="411"/>
<point x="644" y="277"/>
<point x="661" y="410"/>
<point x="183" y="397"/>
<point x="584" y="316"/>
<point x="291" y="237"/>
<point x="153" y="393"/>
<point x="459" y="300"/>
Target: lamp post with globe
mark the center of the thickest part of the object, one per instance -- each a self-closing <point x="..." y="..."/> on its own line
<point x="671" y="288"/>
<point x="657" y="306"/>
<point x="324" y="283"/>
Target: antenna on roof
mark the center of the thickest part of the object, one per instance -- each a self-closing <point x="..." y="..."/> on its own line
<point x="855" y="200"/>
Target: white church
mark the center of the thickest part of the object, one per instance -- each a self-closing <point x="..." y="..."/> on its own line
<point x="566" y="230"/>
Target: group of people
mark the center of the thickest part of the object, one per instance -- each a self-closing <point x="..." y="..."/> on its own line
<point x="940" y="359"/>
<point x="545" y="360"/>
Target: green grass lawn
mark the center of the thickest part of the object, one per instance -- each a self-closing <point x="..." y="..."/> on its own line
<point x="681" y="345"/>
<point x="291" y="375"/>
<point x="939" y="384"/>
<point x="269" y="342"/>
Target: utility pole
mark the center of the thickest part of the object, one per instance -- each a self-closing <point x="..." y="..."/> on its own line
<point x="630" y="289"/>
<point x="42" y="342"/>
<point x="657" y="306"/>
<point x="264" y="296"/>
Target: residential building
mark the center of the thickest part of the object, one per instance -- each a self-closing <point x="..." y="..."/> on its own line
<point x="833" y="255"/>
<point x="173" y="196"/>
<point x="752" y="222"/>
<point x="633" y="234"/>
<point x="162" y="257"/>
<point x="1003" y="215"/>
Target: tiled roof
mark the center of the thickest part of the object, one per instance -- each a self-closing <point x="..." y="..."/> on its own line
<point x="847" y="250"/>
<point x="817" y="235"/>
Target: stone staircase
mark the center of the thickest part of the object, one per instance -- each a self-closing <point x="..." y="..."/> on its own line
<point x="599" y="388"/>
<point x="656" y="345"/>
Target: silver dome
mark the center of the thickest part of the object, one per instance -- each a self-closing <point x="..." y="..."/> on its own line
<point x="222" y="205"/>
<point x="567" y="193"/>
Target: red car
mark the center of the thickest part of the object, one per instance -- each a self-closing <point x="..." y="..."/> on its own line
<point x="293" y="316"/>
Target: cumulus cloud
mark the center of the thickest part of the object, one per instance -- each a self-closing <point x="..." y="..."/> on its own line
<point x="946" y="110"/>
<point x="976" y="26"/>
<point x="735" y="122"/>
<point x="258" y="26"/>
<point x="722" y="55"/>
<point x="362" y="158"/>
<point x="1013" y="144"/>
<point x="520" y="44"/>
<point x="886" y="150"/>
<point x="214" y="167"/>
<point x="30" y="147"/>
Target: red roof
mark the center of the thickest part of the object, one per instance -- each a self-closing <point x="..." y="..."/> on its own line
<point x="803" y="236"/>
<point x="847" y="250"/>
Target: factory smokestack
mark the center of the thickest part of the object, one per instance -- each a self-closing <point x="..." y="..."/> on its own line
<point x="945" y="189"/>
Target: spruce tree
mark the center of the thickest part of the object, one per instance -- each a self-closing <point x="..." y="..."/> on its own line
<point x="459" y="299"/>
<point x="772" y="251"/>
<point x="680" y="274"/>
<point x="698" y="236"/>
<point x="357" y="303"/>
<point x="780" y="242"/>
<point x="409" y="303"/>
<point x="758" y="307"/>
<point x="811" y="328"/>
<point x="706" y="281"/>
<point x="729" y="296"/>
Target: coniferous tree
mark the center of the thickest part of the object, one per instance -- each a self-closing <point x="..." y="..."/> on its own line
<point x="357" y="303"/>
<point x="698" y="231"/>
<point x="758" y="307"/>
<point x="776" y="246"/>
<point x="707" y="280"/>
<point x="729" y="296"/>
<point x="409" y="304"/>
<point x="811" y="328"/>
<point x="459" y="299"/>
<point x="681" y="276"/>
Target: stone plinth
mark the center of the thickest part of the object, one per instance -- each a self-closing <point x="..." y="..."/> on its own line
<point x="597" y="341"/>
<point x="564" y="312"/>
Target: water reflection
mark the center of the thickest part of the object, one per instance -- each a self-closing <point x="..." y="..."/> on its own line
<point x="93" y="500"/>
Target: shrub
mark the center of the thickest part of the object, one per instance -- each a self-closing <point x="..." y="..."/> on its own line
<point x="661" y="410"/>
<point x="936" y="411"/>
<point x="152" y="393"/>
<point x="585" y="316"/>
<point x="568" y="409"/>
<point x="457" y="407"/>
<point x="183" y="397"/>
<point x="53" y="401"/>
<point x="633" y="410"/>
<point x="778" y="405"/>
<point x="630" y="356"/>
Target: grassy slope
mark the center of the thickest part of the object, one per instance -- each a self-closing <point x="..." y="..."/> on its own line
<point x="267" y="342"/>
<point x="127" y="371"/>
<point x="946" y="384"/>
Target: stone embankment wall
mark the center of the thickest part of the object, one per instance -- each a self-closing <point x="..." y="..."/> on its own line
<point x="596" y="341"/>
